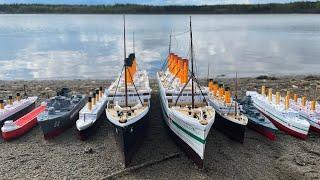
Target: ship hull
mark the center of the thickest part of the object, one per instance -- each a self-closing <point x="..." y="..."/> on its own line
<point x="193" y="155"/>
<point x="25" y="124"/>
<point x="232" y="130"/>
<point x="55" y="126"/>
<point x="265" y="131"/>
<point x="91" y="130"/>
<point x="19" y="114"/>
<point x="284" y="128"/>
<point x="129" y="138"/>
<point x="315" y="128"/>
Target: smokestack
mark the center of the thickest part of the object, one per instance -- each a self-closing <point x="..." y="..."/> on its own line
<point x="278" y="97"/>
<point x="93" y="99"/>
<point x="227" y="97"/>
<point x="303" y="101"/>
<point x="97" y="95"/>
<point x="263" y="90"/>
<point x="295" y="98"/>
<point x="215" y="88"/>
<point x="1" y="104"/>
<point x="313" y="105"/>
<point x="287" y="102"/>
<point x="100" y="92"/>
<point x="210" y="85"/>
<point x="288" y="94"/>
<point x="18" y="97"/>
<point x="10" y="100"/>
<point x="270" y="94"/>
<point x="89" y="103"/>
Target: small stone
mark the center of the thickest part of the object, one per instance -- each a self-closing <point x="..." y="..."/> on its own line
<point x="88" y="150"/>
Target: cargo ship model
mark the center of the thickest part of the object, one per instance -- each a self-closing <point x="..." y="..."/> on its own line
<point x="128" y="105"/>
<point x="91" y="113"/>
<point x="309" y="110"/>
<point x="280" y="113"/>
<point x="184" y="107"/>
<point x="14" y="129"/>
<point x="229" y="119"/>
<point x="256" y="120"/>
<point x="61" y="113"/>
<point x="15" y="109"/>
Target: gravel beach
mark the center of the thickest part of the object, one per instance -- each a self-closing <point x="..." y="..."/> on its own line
<point x="66" y="157"/>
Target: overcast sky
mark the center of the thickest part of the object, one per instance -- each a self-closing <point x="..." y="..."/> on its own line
<point x="152" y="2"/>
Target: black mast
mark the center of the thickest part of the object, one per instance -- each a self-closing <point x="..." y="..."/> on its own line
<point x="192" y="73"/>
<point x="125" y="55"/>
<point x="236" y="96"/>
<point x="134" y="49"/>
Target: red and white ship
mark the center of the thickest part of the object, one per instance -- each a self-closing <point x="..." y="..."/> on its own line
<point x="14" y="129"/>
<point x="280" y="113"/>
<point x="14" y="109"/>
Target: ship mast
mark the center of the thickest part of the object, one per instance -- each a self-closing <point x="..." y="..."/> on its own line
<point x="134" y="48"/>
<point x="236" y="96"/>
<point x="125" y="55"/>
<point x="192" y="72"/>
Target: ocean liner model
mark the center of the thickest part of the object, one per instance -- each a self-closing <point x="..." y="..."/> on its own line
<point x="14" y="129"/>
<point x="61" y="113"/>
<point x="229" y="119"/>
<point x="90" y="114"/>
<point x="256" y="120"/>
<point x="128" y="104"/>
<point x="309" y="110"/>
<point x="15" y="109"/>
<point x="184" y="106"/>
<point x="280" y="113"/>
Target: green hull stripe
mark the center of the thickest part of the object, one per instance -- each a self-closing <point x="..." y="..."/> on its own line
<point x="203" y="141"/>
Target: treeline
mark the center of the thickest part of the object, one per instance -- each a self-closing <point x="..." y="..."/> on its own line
<point x="296" y="7"/>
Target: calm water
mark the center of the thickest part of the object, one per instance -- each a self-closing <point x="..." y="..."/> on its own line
<point x="91" y="46"/>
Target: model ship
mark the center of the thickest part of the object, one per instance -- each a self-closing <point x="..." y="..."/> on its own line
<point x="256" y="120"/>
<point x="61" y="113"/>
<point x="14" y="129"/>
<point x="229" y="119"/>
<point x="15" y="109"/>
<point x="128" y="105"/>
<point x="279" y="112"/>
<point x="184" y="106"/>
<point x="90" y="114"/>
<point x="309" y="110"/>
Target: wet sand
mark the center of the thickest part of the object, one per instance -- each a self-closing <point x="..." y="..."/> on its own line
<point x="66" y="157"/>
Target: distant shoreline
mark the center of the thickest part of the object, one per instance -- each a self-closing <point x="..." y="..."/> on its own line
<point x="273" y="8"/>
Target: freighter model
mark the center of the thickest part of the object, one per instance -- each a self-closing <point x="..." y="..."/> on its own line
<point x="309" y="110"/>
<point x="13" y="110"/>
<point x="280" y="113"/>
<point x="91" y="113"/>
<point x="128" y="104"/>
<point x="61" y="113"/>
<point x="256" y="120"/>
<point x="14" y="129"/>
<point x="184" y="106"/>
<point x="229" y="119"/>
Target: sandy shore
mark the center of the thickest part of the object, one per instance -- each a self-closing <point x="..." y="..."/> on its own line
<point x="65" y="157"/>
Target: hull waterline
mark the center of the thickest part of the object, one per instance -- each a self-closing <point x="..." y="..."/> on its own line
<point x="268" y="133"/>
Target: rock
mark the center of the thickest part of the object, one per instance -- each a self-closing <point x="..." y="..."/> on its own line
<point x="88" y="150"/>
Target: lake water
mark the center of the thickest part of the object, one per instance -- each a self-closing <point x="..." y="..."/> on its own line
<point x="91" y="46"/>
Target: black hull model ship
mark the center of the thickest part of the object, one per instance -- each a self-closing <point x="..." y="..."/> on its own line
<point x="61" y="113"/>
<point x="257" y="121"/>
<point x="128" y="104"/>
<point x="229" y="120"/>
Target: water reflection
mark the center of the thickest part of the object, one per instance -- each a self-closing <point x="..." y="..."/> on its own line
<point x="91" y="46"/>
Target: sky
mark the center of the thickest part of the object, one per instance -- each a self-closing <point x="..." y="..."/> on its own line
<point x="150" y="2"/>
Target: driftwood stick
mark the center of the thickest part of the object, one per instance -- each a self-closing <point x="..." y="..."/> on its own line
<point x="139" y="166"/>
